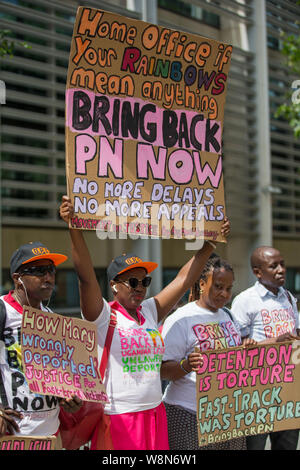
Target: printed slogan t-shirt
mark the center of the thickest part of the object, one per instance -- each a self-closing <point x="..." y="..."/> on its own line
<point x="40" y="412"/>
<point x="132" y="378"/>
<point x="189" y="327"/>
<point x="262" y="314"/>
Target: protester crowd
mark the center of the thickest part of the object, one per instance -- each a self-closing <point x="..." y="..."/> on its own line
<point x="139" y="416"/>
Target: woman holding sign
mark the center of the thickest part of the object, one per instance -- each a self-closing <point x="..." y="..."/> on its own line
<point x="203" y="323"/>
<point x="135" y="414"/>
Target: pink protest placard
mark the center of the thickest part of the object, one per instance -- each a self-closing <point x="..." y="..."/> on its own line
<point x="248" y="391"/>
<point x="59" y="356"/>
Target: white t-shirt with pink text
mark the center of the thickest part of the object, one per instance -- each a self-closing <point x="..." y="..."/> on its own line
<point x="132" y="377"/>
<point x="189" y="327"/>
<point x="262" y="314"/>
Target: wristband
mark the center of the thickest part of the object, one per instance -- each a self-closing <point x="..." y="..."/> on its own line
<point x="181" y="365"/>
<point x="212" y="244"/>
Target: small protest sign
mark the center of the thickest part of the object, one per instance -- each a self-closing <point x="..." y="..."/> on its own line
<point x="17" y="443"/>
<point x="144" y="120"/>
<point x="59" y="356"/>
<point x="248" y="391"/>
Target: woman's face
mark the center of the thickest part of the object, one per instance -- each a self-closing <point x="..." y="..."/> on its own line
<point x="129" y="297"/>
<point x="217" y="289"/>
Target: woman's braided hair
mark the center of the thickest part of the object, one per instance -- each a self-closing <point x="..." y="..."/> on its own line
<point x="214" y="263"/>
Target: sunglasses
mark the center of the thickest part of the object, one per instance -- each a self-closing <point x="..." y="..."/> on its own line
<point x="39" y="270"/>
<point x="134" y="282"/>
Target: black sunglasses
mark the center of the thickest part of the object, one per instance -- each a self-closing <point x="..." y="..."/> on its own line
<point x="134" y="282"/>
<point x="39" y="270"/>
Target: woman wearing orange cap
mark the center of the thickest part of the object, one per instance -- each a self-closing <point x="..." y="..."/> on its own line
<point x="137" y="417"/>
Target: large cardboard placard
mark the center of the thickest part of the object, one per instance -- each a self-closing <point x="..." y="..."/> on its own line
<point x="59" y="356"/>
<point x="144" y="121"/>
<point x="17" y="443"/>
<point x="244" y="392"/>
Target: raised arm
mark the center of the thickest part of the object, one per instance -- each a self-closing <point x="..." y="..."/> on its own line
<point x="186" y="277"/>
<point x="91" y="300"/>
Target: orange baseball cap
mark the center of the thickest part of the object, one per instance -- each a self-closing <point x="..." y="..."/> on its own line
<point x="33" y="251"/>
<point x="128" y="261"/>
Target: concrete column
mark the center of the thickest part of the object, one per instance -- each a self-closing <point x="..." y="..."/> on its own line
<point x="147" y="8"/>
<point x="149" y="11"/>
<point x="238" y="249"/>
<point x="258" y="45"/>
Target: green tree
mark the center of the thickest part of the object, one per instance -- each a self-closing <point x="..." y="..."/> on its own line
<point x="290" y="110"/>
<point x="7" y="45"/>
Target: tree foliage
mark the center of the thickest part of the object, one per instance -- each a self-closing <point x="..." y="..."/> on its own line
<point x="7" y="45"/>
<point x="290" y="110"/>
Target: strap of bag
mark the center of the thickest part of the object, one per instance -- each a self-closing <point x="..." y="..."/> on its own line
<point x="2" y="319"/>
<point x="289" y="297"/>
<point x="108" y="341"/>
<point x="291" y="302"/>
<point x="3" y="395"/>
<point x="228" y="313"/>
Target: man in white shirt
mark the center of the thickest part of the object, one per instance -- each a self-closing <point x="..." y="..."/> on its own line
<point x="265" y="311"/>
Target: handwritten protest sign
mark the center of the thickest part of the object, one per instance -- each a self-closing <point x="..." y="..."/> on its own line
<point x="59" y="356"/>
<point x="27" y="443"/>
<point x="244" y="392"/>
<point x="144" y="121"/>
